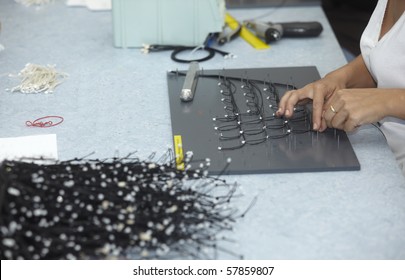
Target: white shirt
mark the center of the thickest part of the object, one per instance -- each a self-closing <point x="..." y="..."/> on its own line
<point x="385" y="59"/>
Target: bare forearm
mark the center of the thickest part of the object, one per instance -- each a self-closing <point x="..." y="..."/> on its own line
<point x="395" y="103"/>
<point x="353" y="75"/>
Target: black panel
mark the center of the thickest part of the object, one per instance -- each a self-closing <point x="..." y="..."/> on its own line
<point x="271" y="144"/>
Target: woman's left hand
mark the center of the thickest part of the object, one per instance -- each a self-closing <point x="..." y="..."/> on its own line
<point x="348" y="109"/>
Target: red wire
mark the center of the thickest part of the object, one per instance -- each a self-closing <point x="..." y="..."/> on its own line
<point x="44" y="124"/>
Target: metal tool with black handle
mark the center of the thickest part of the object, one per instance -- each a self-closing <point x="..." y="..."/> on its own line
<point x="271" y="32"/>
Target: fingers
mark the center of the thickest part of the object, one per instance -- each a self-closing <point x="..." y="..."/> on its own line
<point x="317" y="109"/>
<point x="350" y="125"/>
<point x="329" y="114"/>
<point x="284" y="107"/>
<point x="321" y="93"/>
<point x="337" y="116"/>
<point x="340" y="118"/>
<point x="323" y="125"/>
<point x="289" y="100"/>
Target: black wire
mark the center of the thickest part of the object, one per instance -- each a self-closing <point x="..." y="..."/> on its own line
<point x="177" y="49"/>
<point x="378" y="126"/>
<point x="255" y="103"/>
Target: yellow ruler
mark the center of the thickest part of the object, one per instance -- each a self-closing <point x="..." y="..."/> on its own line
<point x="178" y="151"/>
<point x="245" y="33"/>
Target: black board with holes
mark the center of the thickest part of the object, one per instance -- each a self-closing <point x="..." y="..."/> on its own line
<point x="231" y="122"/>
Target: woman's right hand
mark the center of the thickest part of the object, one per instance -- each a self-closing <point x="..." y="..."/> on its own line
<point x="352" y="75"/>
<point x="319" y="92"/>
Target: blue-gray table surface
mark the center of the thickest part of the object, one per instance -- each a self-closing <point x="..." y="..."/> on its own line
<point x="115" y="101"/>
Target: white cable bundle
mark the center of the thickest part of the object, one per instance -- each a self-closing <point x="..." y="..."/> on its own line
<point x="37" y="78"/>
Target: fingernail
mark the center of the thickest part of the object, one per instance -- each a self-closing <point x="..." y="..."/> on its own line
<point x="316" y="126"/>
<point x="287" y="112"/>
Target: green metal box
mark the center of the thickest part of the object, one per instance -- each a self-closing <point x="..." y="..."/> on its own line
<point x="167" y="22"/>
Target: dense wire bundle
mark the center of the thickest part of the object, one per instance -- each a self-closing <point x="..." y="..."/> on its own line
<point x="118" y="208"/>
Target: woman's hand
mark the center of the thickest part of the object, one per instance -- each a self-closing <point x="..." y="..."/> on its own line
<point x="319" y="92"/>
<point x="351" y="114"/>
<point x="347" y="109"/>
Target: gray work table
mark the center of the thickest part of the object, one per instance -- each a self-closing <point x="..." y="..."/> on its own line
<point x="115" y="101"/>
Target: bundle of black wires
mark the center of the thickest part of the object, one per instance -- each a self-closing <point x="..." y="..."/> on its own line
<point x="116" y="208"/>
